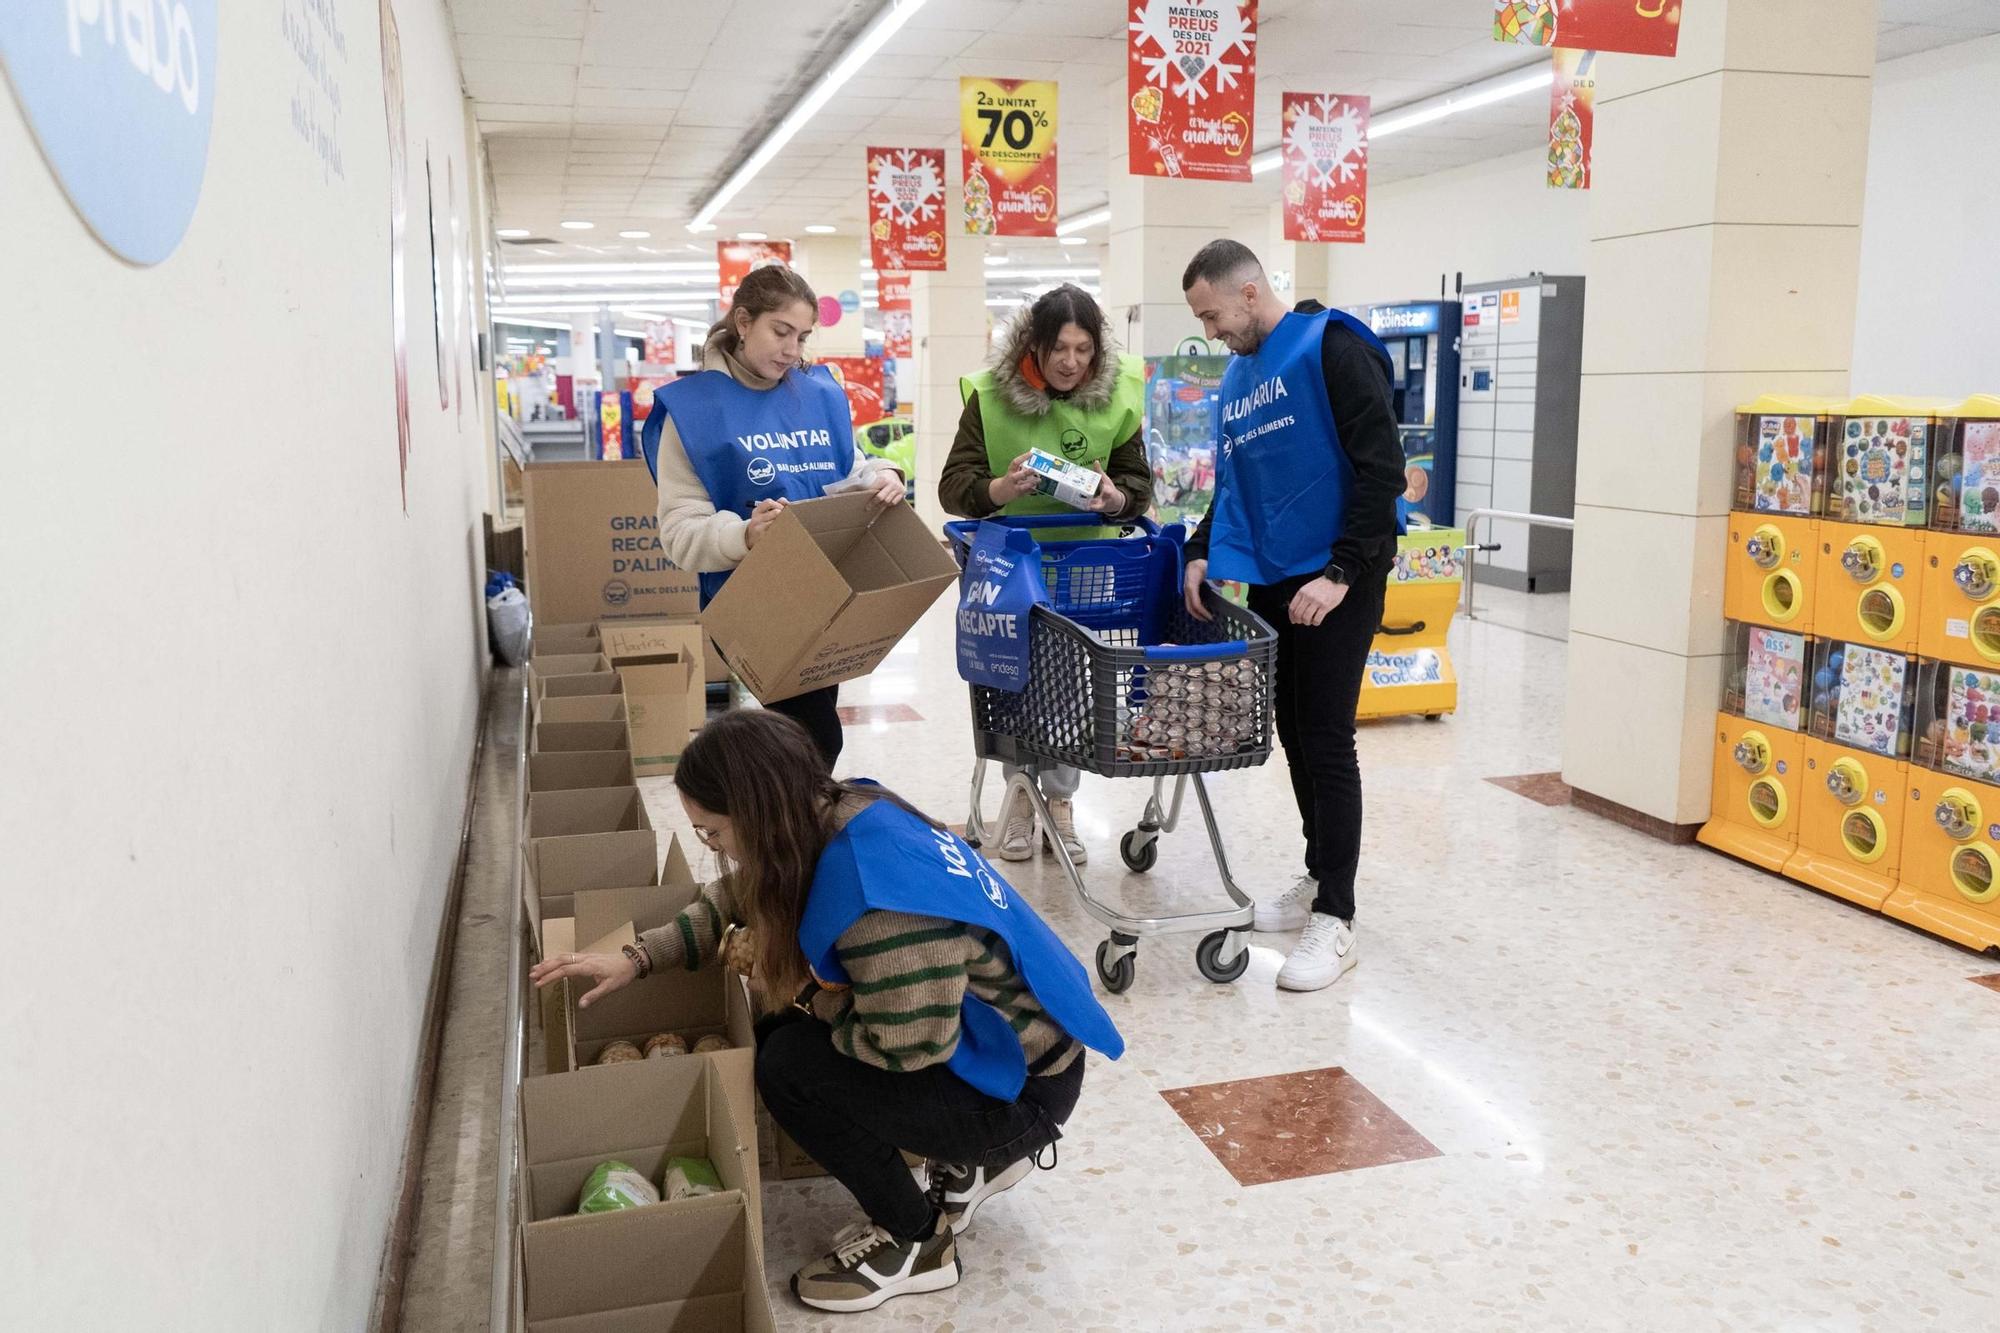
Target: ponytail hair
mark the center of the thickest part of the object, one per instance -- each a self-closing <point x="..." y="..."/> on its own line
<point x="767" y="289"/>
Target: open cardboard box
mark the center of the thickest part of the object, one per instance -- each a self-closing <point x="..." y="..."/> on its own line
<point x="691" y="1267"/>
<point x="594" y="683"/>
<point x="566" y="638"/>
<point x="543" y="667"/>
<point x="568" y="770"/>
<point x="554" y="870"/>
<point x="593" y="545"/>
<point x="833" y="585"/>
<point x="563" y="737"/>
<point x="581" y="708"/>
<point x="557" y="935"/>
<point x="666" y="691"/>
<point x="586" y="812"/>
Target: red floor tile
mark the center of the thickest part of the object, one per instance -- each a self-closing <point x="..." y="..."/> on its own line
<point x="1546" y="788"/>
<point x="854" y="715"/>
<point x="1991" y="983"/>
<point x="1289" y="1126"/>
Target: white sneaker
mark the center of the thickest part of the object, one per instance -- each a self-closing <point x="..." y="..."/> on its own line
<point x="1290" y="909"/>
<point x="1017" y="830"/>
<point x="1324" y="953"/>
<point x="1062" y="815"/>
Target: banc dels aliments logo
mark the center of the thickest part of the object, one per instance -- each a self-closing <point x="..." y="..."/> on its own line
<point x="121" y="97"/>
<point x="763" y="471"/>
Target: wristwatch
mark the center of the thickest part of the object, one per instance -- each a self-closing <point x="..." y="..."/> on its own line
<point x="1334" y="573"/>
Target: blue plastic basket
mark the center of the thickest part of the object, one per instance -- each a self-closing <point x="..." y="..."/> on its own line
<point x="1117" y="586"/>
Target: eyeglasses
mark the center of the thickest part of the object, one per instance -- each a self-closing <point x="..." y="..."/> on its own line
<point x="710" y="838"/>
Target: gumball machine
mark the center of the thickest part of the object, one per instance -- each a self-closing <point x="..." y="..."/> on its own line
<point x="1773" y="529"/>
<point x="1949" y="884"/>
<point x="1854" y="793"/>
<point x="1961" y="594"/>
<point x="1871" y="551"/>
<point x="1760" y="746"/>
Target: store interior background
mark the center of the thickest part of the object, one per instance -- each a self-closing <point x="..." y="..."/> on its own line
<point x="259" y="648"/>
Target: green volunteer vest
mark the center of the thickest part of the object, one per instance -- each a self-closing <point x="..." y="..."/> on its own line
<point x="1084" y="438"/>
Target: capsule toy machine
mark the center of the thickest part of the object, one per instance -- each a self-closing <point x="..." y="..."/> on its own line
<point x="1760" y="746"/>
<point x="1770" y="573"/>
<point x="1949" y="884"/>
<point x="1854" y="793"/>
<point x="1872" y="544"/>
<point x="1409" y="670"/>
<point x="1961" y="593"/>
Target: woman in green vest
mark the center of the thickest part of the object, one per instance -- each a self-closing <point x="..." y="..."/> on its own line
<point x="1059" y="385"/>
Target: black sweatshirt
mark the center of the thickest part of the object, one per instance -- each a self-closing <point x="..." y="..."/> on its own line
<point x="1357" y="385"/>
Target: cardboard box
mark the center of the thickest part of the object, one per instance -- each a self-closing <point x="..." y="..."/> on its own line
<point x="572" y="629"/>
<point x="830" y="589"/>
<point x="580" y="708"/>
<point x="1062" y="480"/>
<point x="593" y="545"/>
<point x="555" y="869"/>
<point x="692" y="1267"/>
<point x="557" y="935"/>
<point x="570" y="770"/>
<point x="574" y="687"/>
<point x="588" y="811"/>
<point x="568" y="737"/>
<point x="563" y="645"/>
<point x="542" y="666"/>
<point x="666" y="689"/>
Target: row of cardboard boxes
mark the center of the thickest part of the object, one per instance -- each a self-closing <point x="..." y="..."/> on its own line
<point x="1864" y="772"/>
<point x="1876" y="520"/>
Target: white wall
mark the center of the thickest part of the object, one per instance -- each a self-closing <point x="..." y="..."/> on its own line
<point x="240" y="690"/>
<point x="1496" y="219"/>
<point x="1930" y="230"/>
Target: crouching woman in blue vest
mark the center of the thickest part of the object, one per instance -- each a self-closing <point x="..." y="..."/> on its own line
<point x="932" y="1011"/>
<point x="754" y="430"/>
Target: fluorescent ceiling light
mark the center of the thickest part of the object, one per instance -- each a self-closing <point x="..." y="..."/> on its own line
<point x="1031" y="273"/>
<point x="997" y="261"/>
<point x="578" y="226"/>
<point x="1471" y="97"/>
<point x="634" y="235"/>
<point x="819" y="229"/>
<point x="1072" y="240"/>
<point x="888" y="21"/>
<point x="701" y="226"/>
<point x="753" y="235"/>
<point x="513" y="322"/>
<point x="513" y="233"/>
<point x="707" y="266"/>
<point x="1096" y="217"/>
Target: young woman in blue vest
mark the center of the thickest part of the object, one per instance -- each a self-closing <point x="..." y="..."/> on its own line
<point x="931" y="1010"/>
<point x="1307" y="473"/>
<point x="1058" y="384"/>
<point x="755" y="429"/>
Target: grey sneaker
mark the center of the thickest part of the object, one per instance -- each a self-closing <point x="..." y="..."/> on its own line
<point x="867" y="1266"/>
<point x="959" y="1190"/>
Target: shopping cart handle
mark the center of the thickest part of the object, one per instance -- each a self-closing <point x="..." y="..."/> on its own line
<point x="964" y="530"/>
<point x="1197" y="652"/>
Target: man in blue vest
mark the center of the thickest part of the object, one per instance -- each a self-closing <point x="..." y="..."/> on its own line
<point x="1307" y="470"/>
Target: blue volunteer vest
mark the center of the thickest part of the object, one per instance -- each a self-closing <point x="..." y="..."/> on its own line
<point x="790" y="442"/>
<point x="888" y="860"/>
<point x="1282" y="478"/>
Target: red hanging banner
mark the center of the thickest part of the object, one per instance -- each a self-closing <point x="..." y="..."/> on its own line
<point x="906" y="208"/>
<point x="892" y="298"/>
<point x="1326" y="167"/>
<point x="1636" y="27"/>
<point x="1572" y="116"/>
<point x="861" y="378"/>
<point x="734" y="261"/>
<point x="1007" y="141"/>
<point x="1191" y="85"/>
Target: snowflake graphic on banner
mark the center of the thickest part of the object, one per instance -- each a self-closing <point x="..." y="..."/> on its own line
<point x="906" y="187"/>
<point x="1328" y="139"/>
<point x="1192" y="37"/>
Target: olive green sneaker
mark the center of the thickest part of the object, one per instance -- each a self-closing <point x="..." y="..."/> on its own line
<point x="867" y="1266"/>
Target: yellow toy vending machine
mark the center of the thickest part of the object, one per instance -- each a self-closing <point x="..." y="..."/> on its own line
<point x="1759" y="747"/>
<point x="1871" y="558"/>
<point x="1961" y="597"/>
<point x="1409" y="666"/>
<point x="1950" y="880"/>
<point x="1773" y="529"/>
<point x="1854" y="793"/>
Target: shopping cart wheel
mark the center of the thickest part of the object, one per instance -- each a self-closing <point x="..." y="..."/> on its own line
<point x="1117" y="960"/>
<point x="1139" y="857"/>
<point x="1208" y="953"/>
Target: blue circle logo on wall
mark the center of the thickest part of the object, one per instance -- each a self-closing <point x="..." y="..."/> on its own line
<point x="851" y="302"/>
<point x="121" y="96"/>
<point x="763" y="471"/>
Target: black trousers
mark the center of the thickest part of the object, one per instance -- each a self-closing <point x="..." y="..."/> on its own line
<point x="857" y="1120"/>
<point x="819" y="713"/>
<point x="1320" y="670"/>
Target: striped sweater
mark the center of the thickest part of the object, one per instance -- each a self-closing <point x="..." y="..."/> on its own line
<point x="909" y="974"/>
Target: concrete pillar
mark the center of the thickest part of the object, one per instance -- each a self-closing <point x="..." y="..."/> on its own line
<point x="1725" y="245"/>
<point x="948" y="333"/>
<point x="832" y="264"/>
<point x="1300" y="269"/>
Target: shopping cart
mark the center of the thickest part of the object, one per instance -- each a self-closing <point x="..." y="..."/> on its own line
<point x="1124" y="683"/>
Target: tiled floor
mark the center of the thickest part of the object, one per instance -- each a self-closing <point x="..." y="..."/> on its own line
<point x="1290" y="1126"/>
<point x="1665" y="1091"/>
<point x="1991" y="983"/>
<point x="1541" y="788"/>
